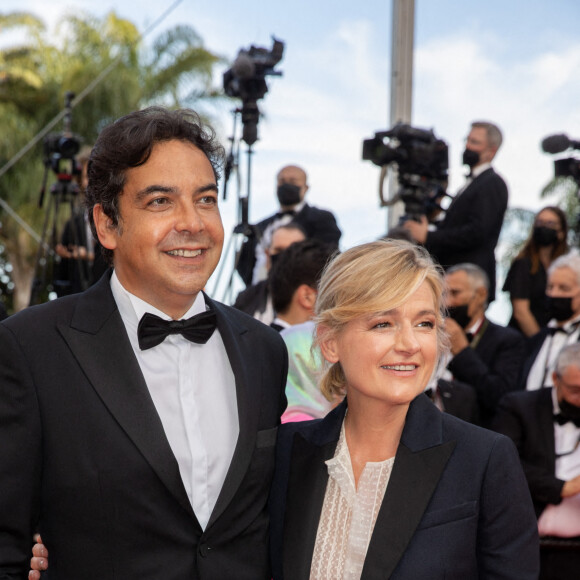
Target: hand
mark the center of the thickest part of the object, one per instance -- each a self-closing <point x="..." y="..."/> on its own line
<point x="39" y="560"/>
<point x="417" y="229"/>
<point x="571" y="487"/>
<point x="456" y="336"/>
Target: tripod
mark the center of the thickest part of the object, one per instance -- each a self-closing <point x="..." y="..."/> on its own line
<point x="63" y="192"/>
<point x="243" y="230"/>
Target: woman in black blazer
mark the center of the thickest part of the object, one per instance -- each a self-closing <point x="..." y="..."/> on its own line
<point x="387" y="486"/>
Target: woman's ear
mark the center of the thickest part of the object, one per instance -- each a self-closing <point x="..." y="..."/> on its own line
<point x="328" y="343"/>
<point x="106" y="231"/>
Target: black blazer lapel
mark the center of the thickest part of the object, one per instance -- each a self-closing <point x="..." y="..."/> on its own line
<point x="306" y="490"/>
<point x="419" y="463"/>
<point x="545" y="424"/>
<point x="98" y="340"/>
<point x="248" y="380"/>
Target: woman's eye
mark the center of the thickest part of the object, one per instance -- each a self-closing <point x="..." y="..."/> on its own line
<point x="427" y="324"/>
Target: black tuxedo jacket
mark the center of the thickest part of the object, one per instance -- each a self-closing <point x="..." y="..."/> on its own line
<point x="316" y="223"/>
<point x="533" y="346"/>
<point x="492" y="368"/>
<point x="457" y="504"/>
<point x="471" y="227"/>
<point x="84" y="457"/>
<point x="527" y="418"/>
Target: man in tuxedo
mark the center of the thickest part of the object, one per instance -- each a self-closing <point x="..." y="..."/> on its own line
<point x="563" y="305"/>
<point x="545" y="426"/>
<point x="485" y="355"/>
<point x="472" y="223"/>
<point x="292" y="185"/>
<point x="133" y="414"/>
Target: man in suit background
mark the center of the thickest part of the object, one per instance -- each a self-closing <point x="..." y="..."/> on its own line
<point x="563" y="305"/>
<point x="132" y="414"/>
<point x="485" y="355"/>
<point x="470" y="229"/>
<point x="292" y="185"/>
<point x="545" y="426"/>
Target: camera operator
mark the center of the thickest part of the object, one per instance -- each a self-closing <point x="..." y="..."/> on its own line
<point x="470" y="229"/>
<point x="81" y="261"/>
<point x="292" y="185"/>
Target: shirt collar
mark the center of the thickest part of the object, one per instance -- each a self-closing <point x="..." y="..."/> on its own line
<point x="133" y="308"/>
<point x="477" y="171"/>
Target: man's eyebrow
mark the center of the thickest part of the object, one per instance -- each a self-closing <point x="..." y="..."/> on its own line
<point x="156" y="188"/>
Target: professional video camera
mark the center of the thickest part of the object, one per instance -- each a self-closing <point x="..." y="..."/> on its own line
<point x="60" y="148"/>
<point x="569" y="166"/>
<point x="246" y="79"/>
<point x="422" y="161"/>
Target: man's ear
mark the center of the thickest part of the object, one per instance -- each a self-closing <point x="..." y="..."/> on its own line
<point x="106" y="230"/>
<point x="328" y="343"/>
<point x="306" y="297"/>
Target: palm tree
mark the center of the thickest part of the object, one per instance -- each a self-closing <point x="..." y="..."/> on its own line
<point x="174" y="70"/>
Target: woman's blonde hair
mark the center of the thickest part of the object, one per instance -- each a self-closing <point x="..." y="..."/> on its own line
<point x="366" y="280"/>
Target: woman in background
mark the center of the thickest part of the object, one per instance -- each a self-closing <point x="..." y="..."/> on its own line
<point x="526" y="279"/>
<point x="387" y="486"/>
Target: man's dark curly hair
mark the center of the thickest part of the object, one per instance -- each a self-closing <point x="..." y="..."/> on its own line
<point x="129" y="141"/>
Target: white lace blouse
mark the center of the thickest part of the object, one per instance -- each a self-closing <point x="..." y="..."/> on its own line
<point x="348" y="516"/>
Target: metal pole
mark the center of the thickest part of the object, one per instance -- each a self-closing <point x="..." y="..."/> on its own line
<point x="403" y="27"/>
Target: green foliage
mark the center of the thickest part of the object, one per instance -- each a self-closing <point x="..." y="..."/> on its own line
<point x="174" y="70"/>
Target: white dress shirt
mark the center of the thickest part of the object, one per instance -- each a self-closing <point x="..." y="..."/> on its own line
<point x="193" y="389"/>
<point x="563" y="520"/>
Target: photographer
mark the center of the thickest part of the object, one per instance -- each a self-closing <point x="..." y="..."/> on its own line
<point x="470" y="229"/>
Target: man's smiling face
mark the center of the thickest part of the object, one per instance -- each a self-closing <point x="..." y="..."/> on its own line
<point x="170" y="235"/>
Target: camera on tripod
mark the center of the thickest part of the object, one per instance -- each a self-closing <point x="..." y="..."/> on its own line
<point x="422" y="162"/>
<point x="246" y="79"/>
<point x="60" y="148"/>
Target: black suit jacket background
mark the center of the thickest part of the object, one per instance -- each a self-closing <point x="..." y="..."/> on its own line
<point x="527" y="418"/>
<point x="492" y="368"/>
<point x="86" y="460"/>
<point x="470" y="229"/>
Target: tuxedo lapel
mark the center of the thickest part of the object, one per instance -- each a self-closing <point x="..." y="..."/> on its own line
<point x="98" y="340"/>
<point x="419" y="463"/>
<point x="306" y="490"/>
<point x="238" y="344"/>
<point x="545" y="424"/>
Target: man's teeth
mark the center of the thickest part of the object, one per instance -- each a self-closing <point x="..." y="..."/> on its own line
<point x="185" y="253"/>
<point x="400" y="367"/>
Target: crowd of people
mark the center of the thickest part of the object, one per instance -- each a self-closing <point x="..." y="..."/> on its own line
<point x="355" y="414"/>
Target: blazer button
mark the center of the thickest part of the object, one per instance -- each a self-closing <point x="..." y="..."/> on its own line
<point x="204" y="550"/>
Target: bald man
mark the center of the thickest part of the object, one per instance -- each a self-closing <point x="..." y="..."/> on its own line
<point x="292" y="185"/>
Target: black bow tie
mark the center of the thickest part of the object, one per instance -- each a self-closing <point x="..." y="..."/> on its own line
<point x="562" y="419"/>
<point x="289" y="212"/>
<point x="552" y="330"/>
<point x="153" y="330"/>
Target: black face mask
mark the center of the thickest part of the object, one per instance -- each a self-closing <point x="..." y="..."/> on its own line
<point x="544" y="236"/>
<point x="569" y="410"/>
<point x="470" y="158"/>
<point x="559" y="308"/>
<point x="459" y="314"/>
<point x="288" y="194"/>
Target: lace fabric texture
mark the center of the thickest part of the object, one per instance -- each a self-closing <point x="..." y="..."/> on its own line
<point x="348" y="516"/>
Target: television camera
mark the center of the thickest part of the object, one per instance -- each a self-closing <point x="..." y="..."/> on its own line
<point x="563" y="167"/>
<point x="422" y="162"/>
